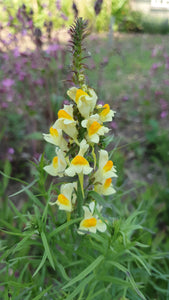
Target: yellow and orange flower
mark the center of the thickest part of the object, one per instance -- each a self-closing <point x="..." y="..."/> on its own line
<point x="91" y="222"/>
<point x="104" y="187"/>
<point x="55" y="137"/>
<point x="67" y="197"/>
<point x="58" y="165"/>
<point x="66" y="122"/>
<point x="86" y="101"/>
<point x="106" y="167"/>
<point x="79" y="163"/>
<point x="106" y="115"/>
<point x="94" y="128"/>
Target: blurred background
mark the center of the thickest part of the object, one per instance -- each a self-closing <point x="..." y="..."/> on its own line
<point x="128" y="67"/>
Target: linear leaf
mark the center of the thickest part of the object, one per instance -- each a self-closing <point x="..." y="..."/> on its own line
<point x="125" y="270"/>
<point x="24" y="188"/>
<point x="64" y="226"/>
<point x="41" y="264"/>
<point x="42" y="293"/>
<point x="19" y="215"/>
<point x="85" y="272"/>
<point x="46" y="246"/>
<point x="22" y="242"/>
<point x="96" y="196"/>
<point x="80" y="287"/>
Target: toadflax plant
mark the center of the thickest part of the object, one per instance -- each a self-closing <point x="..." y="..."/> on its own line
<point x="78" y="135"/>
<point x="73" y="237"/>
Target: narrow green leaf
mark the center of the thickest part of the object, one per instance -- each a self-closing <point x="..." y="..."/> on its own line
<point x="115" y="280"/>
<point x="22" y="242"/>
<point x="85" y="272"/>
<point x="46" y="246"/>
<point x="34" y="199"/>
<point x="13" y="178"/>
<point x="13" y="233"/>
<point x="15" y="284"/>
<point x="80" y="287"/>
<point x="138" y="258"/>
<point x="96" y="197"/>
<point x="63" y="272"/>
<point x="41" y="264"/>
<point x="24" y="188"/>
<point x="63" y="227"/>
<point x="134" y="285"/>
<point x="7" y="171"/>
<point x="19" y="215"/>
<point x="125" y="270"/>
<point x="9" y="226"/>
<point x="42" y="293"/>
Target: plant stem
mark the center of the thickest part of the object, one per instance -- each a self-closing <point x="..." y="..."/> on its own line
<point x="81" y="179"/>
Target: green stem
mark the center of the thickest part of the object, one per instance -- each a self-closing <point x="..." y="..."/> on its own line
<point x="94" y="156"/>
<point x="68" y="214"/>
<point x="81" y="179"/>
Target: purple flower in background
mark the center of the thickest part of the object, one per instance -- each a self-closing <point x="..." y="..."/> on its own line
<point x="163" y="104"/>
<point x="58" y="5"/>
<point x="60" y="67"/>
<point x="158" y="93"/>
<point x="24" y="32"/>
<point x="4" y="105"/>
<point x="64" y="17"/>
<point x="10" y="153"/>
<point x="163" y="114"/>
<point x="113" y="125"/>
<point x="166" y="82"/>
<point x="30" y="103"/>
<point x="21" y="75"/>
<point x="52" y="48"/>
<point x="105" y="60"/>
<point x="8" y="82"/>
<point x="155" y="66"/>
<point x="66" y="102"/>
<point x="156" y="50"/>
<point x="101" y="103"/>
<point x="39" y="81"/>
<point x="16" y="52"/>
<point x="30" y="24"/>
<point x="125" y="98"/>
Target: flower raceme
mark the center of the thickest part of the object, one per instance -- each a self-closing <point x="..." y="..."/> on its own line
<point x="75" y="134"/>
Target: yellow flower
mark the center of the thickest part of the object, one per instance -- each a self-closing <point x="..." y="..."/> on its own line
<point x="106" y="114"/>
<point x="106" y="167"/>
<point x="55" y="137"/>
<point x="58" y="165"/>
<point x="79" y="164"/>
<point x="86" y="102"/>
<point x="91" y="221"/>
<point x="94" y="128"/>
<point x="66" y="199"/>
<point x="66" y="122"/>
<point x="104" y="187"/>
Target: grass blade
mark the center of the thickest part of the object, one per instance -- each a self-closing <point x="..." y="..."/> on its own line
<point x="85" y="272"/>
<point x="46" y="246"/>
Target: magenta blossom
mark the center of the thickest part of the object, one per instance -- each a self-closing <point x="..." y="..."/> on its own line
<point x="163" y="114"/>
<point x="113" y="125"/>
<point x="52" y="48"/>
<point x="8" y="82"/>
<point x="4" y="105"/>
